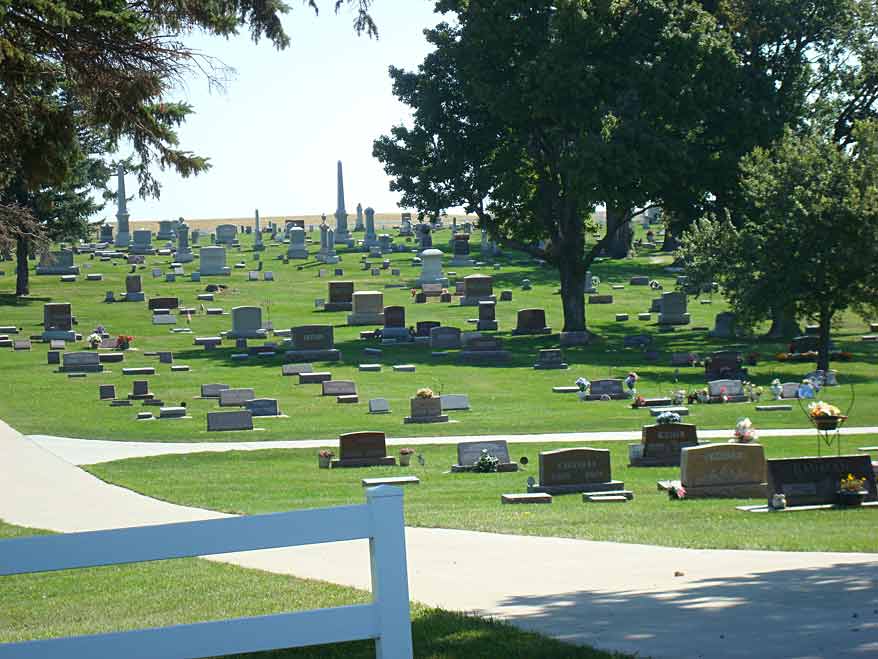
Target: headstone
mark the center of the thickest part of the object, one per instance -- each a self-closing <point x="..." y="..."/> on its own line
<point x="297" y="248"/>
<point x="226" y="234"/>
<point x="673" y="309"/>
<point x="611" y="388"/>
<point x="379" y="406"/>
<point x="123" y="235"/>
<point x="163" y="303"/>
<point x="444" y="338"/>
<point x="477" y="288"/>
<point x="815" y="481"/>
<point x="235" y="397"/>
<point x="368" y="308"/>
<point x="425" y="410"/>
<point x="469" y="452"/>
<point x="550" y="358"/>
<point x="431" y="269"/>
<point x="723" y="470"/>
<point x="661" y="444"/>
<point x="362" y="449"/>
<point x="223" y="421"/>
<point x="724" y="326"/>
<point x="481" y="349"/>
<point x="81" y="362"/>
<point x="424" y="327"/>
<point x="452" y="402"/>
<point x="487" y="316"/>
<point x="212" y="262"/>
<point x="57" y="263"/>
<point x="600" y="299"/>
<point x="531" y="321"/>
<point x="213" y="390"/>
<point x="58" y="321"/>
<point x="340" y="296"/>
<point x="730" y="390"/>
<point x="133" y="288"/>
<point x="312" y="343"/>
<point x="142" y="243"/>
<point x="394" y="323"/>
<point x="247" y="323"/>
<point x="262" y="407"/>
<point x="575" y="470"/>
<point x="106" y="391"/>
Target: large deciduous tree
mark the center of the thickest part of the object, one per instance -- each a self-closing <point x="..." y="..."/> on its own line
<point x="807" y="239"/>
<point x="586" y="103"/>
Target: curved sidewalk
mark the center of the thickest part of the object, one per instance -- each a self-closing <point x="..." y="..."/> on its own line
<point x="613" y="596"/>
<point x="94" y="451"/>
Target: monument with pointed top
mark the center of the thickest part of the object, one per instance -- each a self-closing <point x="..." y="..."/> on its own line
<point x="123" y="235"/>
<point x="184" y="254"/>
<point x="341" y="215"/>
<point x="359" y="225"/>
<point x="258" y="245"/>
<point x="371" y="238"/>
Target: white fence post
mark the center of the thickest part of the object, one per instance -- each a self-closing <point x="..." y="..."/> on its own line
<point x="390" y="587"/>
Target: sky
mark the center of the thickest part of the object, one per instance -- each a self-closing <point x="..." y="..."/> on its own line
<point x="286" y="117"/>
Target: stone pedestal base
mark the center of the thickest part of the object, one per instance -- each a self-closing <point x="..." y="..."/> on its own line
<point x="442" y="418"/>
<point x="674" y="319"/>
<point x="574" y="339"/>
<point x="134" y="297"/>
<point x="521" y="331"/>
<point x="338" y="306"/>
<point x="298" y="356"/>
<point x="389" y="461"/>
<point x="609" y="486"/>
<point x="486" y="326"/>
<point x="366" y="319"/>
<point x="297" y="253"/>
<point x="503" y="467"/>
<point x="474" y="301"/>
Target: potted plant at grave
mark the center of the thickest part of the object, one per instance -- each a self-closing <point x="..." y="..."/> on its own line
<point x="744" y="432"/>
<point x="486" y="463"/>
<point x="703" y="395"/>
<point x="825" y="416"/>
<point x="776" y="389"/>
<point x="324" y="457"/>
<point x="639" y="401"/>
<point x="123" y="341"/>
<point x="426" y="403"/>
<point x="405" y="456"/>
<point x="851" y="490"/>
<point x="631" y="382"/>
<point x="667" y="417"/>
<point x="679" y="396"/>
<point x="584" y="385"/>
<point x="94" y="340"/>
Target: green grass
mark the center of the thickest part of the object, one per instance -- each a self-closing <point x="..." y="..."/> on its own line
<point x="117" y="598"/>
<point x="274" y="480"/>
<point x="512" y="399"/>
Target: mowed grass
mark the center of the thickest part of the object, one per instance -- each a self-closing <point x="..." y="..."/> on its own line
<point x="508" y="399"/>
<point x="163" y="593"/>
<point x="275" y="480"/>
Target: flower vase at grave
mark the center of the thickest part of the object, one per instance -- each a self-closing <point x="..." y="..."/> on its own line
<point x="323" y="460"/>
<point x="405" y="459"/>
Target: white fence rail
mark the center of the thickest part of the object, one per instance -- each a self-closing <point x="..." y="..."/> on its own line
<point x="387" y="619"/>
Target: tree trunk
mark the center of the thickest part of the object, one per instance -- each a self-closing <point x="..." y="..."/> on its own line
<point x="22" y="274"/>
<point x="569" y="246"/>
<point x="620" y="233"/>
<point x="823" y="349"/>
<point x="783" y="325"/>
<point x="672" y="238"/>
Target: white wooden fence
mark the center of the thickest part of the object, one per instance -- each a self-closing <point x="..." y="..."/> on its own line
<point x="386" y="619"/>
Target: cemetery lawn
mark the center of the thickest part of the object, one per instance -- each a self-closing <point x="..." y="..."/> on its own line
<point x="251" y="482"/>
<point x="161" y="593"/>
<point x="511" y="399"/>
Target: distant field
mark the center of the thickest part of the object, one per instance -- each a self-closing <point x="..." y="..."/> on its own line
<point x="209" y="224"/>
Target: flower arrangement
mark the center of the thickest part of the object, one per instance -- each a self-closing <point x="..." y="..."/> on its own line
<point x="414" y="291"/>
<point x="94" y="340"/>
<point x="851" y="483"/>
<point x="325" y="453"/>
<point x="123" y="341"/>
<point x="667" y="417"/>
<point x="776" y="389"/>
<point x="821" y="410"/>
<point x="486" y="463"/>
<point x="631" y="380"/>
<point x="584" y="384"/>
<point x="425" y="392"/>
<point x="639" y="401"/>
<point x="745" y="432"/>
<point x="677" y="492"/>
<point x="406" y="451"/>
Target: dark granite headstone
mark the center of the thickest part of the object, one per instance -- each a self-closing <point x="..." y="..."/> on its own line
<point x="363" y="449"/>
<point x="815" y="481"/>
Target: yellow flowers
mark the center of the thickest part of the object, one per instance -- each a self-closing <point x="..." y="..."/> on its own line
<point x="851" y="483"/>
<point x="820" y="409"/>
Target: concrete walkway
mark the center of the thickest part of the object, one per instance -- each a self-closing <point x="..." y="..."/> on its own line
<point x="94" y="451"/>
<point x="630" y="598"/>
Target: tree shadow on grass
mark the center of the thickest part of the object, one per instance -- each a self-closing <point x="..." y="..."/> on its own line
<point x="12" y="300"/>
<point x="834" y="609"/>
<point x="438" y="633"/>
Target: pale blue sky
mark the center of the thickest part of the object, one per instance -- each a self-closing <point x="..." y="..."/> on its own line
<point x="287" y="116"/>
